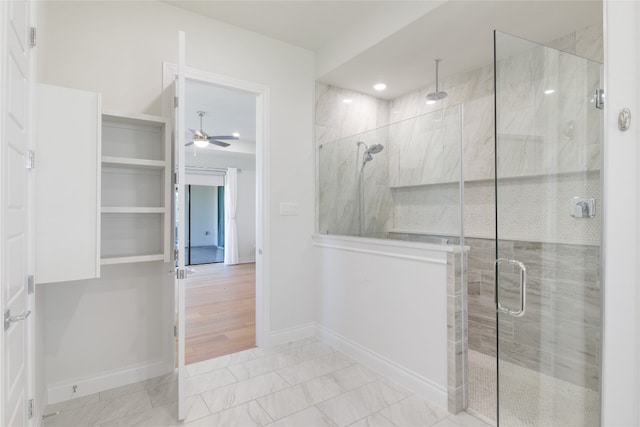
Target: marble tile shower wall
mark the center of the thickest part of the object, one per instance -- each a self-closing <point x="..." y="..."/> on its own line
<point x="538" y="135"/>
<point x="339" y="126"/>
<point x="424" y="172"/>
<point x="425" y="150"/>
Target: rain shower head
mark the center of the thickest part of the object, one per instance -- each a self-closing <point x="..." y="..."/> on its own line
<point x="437" y="95"/>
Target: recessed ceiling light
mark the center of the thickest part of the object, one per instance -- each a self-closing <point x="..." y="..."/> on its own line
<point x="347" y="100"/>
<point x="549" y="91"/>
<point x="236" y="135"/>
<point x="379" y="86"/>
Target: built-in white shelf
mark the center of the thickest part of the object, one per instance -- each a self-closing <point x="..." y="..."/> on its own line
<point x="136" y="189"/>
<point x="130" y="259"/>
<point x="131" y="210"/>
<point x="142" y="163"/>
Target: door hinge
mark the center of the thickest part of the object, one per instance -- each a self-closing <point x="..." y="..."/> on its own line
<point x="598" y="99"/>
<point x="181" y="274"/>
<point x="175" y="102"/>
<point x="175" y="178"/>
<point x="176" y="254"/>
<point x="30" y="408"/>
<point x="32" y="37"/>
<point x="31" y="283"/>
<point x="175" y="331"/>
<point x="31" y="159"/>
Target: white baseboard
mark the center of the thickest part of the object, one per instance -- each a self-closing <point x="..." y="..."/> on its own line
<point x="62" y="391"/>
<point x="246" y="259"/>
<point x="420" y="385"/>
<point x="283" y="336"/>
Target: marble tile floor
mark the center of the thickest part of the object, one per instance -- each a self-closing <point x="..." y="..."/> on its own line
<point x="528" y="398"/>
<point x="304" y="383"/>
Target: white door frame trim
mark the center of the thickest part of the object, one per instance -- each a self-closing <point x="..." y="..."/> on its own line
<point x="620" y="366"/>
<point x="263" y="238"/>
<point x="3" y="47"/>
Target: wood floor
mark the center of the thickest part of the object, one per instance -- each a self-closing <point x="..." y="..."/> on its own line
<point x="220" y="310"/>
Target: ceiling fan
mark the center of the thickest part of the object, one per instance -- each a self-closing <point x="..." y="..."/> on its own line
<point x="201" y="139"/>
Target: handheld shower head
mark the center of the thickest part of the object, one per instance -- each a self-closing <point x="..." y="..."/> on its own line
<point x="375" y="148"/>
<point x="369" y="151"/>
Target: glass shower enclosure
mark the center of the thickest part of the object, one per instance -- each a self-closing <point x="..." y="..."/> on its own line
<point x="548" y="235"/>
<point x="401" y="181"/>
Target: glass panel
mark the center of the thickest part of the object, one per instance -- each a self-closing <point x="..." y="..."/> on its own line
<point x="400" y="181"/>
<point x="202" y="226"/>
<point x="548" y="138"/>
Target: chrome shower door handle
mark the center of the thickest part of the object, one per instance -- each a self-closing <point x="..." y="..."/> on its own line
<point x="523" y="287"/>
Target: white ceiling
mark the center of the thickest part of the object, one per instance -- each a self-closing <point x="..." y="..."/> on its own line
<point x="308" y="24"/>
<point x="459" y="32"/>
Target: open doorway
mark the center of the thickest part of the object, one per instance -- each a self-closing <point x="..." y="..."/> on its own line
<point x="220" y="208"/>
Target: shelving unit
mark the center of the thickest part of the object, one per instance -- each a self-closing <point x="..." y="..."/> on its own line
<point x="136" y="188"/>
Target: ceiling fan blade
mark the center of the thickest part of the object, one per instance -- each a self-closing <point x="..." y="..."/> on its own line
<point x="224" y="137"/>
<point x="188" y="143"/>
<point x="219" y="143"/>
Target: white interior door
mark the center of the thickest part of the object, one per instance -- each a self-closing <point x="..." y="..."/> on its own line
<point x="15" y="210"/>
<point x="180" y="131"/>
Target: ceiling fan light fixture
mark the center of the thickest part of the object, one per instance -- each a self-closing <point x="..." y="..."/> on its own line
<point x="202" y="140"/>
<point x="201" y="143"/>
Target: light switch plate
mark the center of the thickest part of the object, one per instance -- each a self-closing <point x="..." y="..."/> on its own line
<point x="289" y="208"/>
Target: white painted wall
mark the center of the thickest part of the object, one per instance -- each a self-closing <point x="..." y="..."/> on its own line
<point x="81" y="47"/>
<point x="204" y="215"/>
<point x="385" y="303"/>
<point x="104" y="326"/>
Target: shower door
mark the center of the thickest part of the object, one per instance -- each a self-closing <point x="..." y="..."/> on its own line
<point x="548" y="227"/>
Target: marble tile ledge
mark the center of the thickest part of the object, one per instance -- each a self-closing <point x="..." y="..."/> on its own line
<point x="398" y="248"/>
